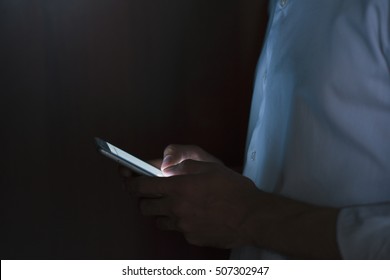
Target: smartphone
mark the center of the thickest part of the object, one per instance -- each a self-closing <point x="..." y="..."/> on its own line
<point x="126" y="159"/>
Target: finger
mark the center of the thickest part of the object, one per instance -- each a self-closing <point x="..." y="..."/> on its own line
<point x="155" y="206"/>
<point x="144" y="186"/>
<point x="166" y="223"/>
<point x="175" y="154"/>
<point x="124" y="171"/>
<point x="187" y="167"/>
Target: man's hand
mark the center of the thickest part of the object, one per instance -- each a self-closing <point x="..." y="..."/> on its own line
<point x="205" y="201"/>
<point x="214" y="206"/>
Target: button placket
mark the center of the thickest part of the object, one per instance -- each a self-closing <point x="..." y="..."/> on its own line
<point x="253" y="156"/>
<point x="265" y="76"/>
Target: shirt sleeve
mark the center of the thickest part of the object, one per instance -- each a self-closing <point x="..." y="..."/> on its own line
<point x="363" y="232"/>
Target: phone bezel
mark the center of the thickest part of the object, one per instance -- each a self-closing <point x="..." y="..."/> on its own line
<point x="104" y="149"/>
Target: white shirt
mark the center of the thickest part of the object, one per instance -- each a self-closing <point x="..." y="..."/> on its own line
<point x="319" y="128"/>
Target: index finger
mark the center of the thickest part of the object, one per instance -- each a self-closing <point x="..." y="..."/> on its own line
<point x="144" y="186"/>
<point x="124" y="171"/>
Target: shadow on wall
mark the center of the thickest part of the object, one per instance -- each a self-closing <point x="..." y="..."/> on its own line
<point x="141" y="74"/>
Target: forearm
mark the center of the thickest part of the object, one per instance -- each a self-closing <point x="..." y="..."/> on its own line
<point x="296" y="229"/>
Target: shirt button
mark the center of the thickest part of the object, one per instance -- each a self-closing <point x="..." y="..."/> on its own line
<point x="283" y="3"/>
<point x="253" y="156"/>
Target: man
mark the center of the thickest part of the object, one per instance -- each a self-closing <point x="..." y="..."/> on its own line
<point x="316" y="182"/>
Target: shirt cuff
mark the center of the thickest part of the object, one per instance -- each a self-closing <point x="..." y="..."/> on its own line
<point x="363" y="232"/>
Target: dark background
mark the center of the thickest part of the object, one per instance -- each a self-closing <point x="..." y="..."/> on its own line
<point x="139" y="73"/>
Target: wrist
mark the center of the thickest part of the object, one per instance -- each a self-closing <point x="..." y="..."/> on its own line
<point x="294" y="228"/>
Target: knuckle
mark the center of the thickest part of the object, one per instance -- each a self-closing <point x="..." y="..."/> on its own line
<point x="149" y="207"/>
<point x="187" y="165"/>
<point x="195" y="149"/>
<point x="143" y="207"/>
<point x="164" y="223"/>
<point x="180" y="209"/>
<point x="183" y="226"/>
<point x="171" y="149"/>
<point x="193" y="152"/>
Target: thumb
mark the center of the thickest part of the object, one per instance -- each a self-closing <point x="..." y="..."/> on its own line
<point x="173" y="155"/>
<point x="187" y="167"/>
